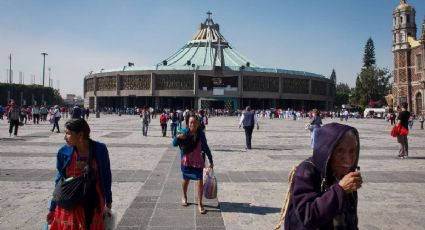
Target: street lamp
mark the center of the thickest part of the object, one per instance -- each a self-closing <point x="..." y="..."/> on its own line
<point x="44" y="64"/>
<point x="10" y="68"/>
<point x="49" y="76"/>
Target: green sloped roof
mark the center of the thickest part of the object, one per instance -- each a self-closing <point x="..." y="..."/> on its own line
<point x="207" y="49"/>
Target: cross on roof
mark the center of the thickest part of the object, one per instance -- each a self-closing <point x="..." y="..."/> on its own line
<point x="209" y="14"/>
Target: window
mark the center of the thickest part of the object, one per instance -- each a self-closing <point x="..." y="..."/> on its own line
<point x="401" y="20"/>
<point x="418" y="62"/>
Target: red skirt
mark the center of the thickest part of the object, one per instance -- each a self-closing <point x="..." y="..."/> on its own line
<point x="76" y="219"/>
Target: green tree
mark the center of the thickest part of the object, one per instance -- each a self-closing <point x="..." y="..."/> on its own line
<point x="372" y="83"/>
<point x="369" y="54"/>
<point x="333" y="76"/>
<point x="342" y="96"/>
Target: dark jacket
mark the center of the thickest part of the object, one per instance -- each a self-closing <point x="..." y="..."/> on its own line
<point x="102" y="161"/>
<point x="317" y="200"/>
<point x="249" y="119"/>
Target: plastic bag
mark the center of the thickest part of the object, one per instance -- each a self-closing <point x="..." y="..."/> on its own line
<point x="210" y="184"/>
<point x="109" y="218"/>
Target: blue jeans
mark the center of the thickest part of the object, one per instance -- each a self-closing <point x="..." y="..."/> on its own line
<point x="314" y="136"/>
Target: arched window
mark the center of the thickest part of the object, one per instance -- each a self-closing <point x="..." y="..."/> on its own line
<point x="418" y="103"/>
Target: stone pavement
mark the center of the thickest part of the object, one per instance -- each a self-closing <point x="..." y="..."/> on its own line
<point x="146" y="175"/>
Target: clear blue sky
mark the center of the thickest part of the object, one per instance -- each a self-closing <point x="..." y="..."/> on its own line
<point x="81" y="36"/>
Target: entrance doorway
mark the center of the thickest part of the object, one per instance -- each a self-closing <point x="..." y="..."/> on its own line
<point x="418" y="103"/>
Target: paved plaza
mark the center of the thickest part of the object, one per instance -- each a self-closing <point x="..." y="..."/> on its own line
<point x="146" y="174"/>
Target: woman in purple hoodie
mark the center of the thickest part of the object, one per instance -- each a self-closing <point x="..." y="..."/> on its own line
<point x="324" y="187"/>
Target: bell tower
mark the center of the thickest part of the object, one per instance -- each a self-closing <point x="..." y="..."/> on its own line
<point x="404" y="31"/>
<point x="404" y="25"/>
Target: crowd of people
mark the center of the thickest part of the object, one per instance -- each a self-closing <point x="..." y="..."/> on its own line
<point x="23" y="115"/>
<point x="323" y="188"/>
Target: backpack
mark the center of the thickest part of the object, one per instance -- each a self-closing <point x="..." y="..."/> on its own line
<point x="173" y="117"/>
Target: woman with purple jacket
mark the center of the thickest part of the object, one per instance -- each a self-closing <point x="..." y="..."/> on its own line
<point x="324" y="187"/>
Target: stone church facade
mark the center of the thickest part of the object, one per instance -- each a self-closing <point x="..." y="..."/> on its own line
<point x="409" y="59"/>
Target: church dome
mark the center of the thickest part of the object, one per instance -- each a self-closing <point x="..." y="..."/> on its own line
<point x="403" y="6"/>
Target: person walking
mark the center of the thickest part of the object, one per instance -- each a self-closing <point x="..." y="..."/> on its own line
<point x="82" y="155"/>
<point x="411" y="119"/>
<point x="35" y="114"/>
<point x="248" y="121"/>
<point x="193" y="145"/>
<point x="316" y="123"/>
<point x="403" y="121"/>
<point x="13" y="116"/>
<point x="146" y="119"/>
<point x="56" y="117"/>
<point x="202" y="120"/>
<point x="87" y="113"/>
<point x="173" y="123"/>
<point x="392" y="117"/>
<point x="1" y="112"/>
<point x="323" y="189"/>
<point x="421" y="120"/>
<point x="76" y="112"/>
<point x="163" y="123"/>
<point x="43" y="113"/>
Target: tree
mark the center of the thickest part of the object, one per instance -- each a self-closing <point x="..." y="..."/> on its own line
<point x="342" y="96"/>
<point x="369" y="54"/>
<point x="343" y="88"/>
<point x="333" y="76"/>
<point x="372" y="83"/>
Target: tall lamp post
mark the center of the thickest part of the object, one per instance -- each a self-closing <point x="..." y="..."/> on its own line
<point x="50" y="85"/>
<point x="44" y="64"/>
<point x="10" y="68"/>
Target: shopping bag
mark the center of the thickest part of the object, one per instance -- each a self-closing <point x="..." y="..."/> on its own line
<point x="395" y="131"/>
<point x="109" y="218"/>
<point x="210" y="184"/>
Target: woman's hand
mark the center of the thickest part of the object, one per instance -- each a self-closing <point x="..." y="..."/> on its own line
<point x="351" y="182"/>
<point x="181" y="136"/>
<point x="49" y="217"/>
<point x="211" y="165"/>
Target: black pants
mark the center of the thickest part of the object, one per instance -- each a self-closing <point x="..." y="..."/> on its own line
<point x="14" y="123"/>
<point x="422" y="124"/>
<point x="56" y="124"/>
<point x="164" y="130"/>
<point x="145" y="128"/>
<point x="36" y="118"/>
<point x="248" y="135"/>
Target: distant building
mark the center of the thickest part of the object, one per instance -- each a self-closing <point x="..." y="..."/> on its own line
<point x="207" y="72"/>
<point x="72" y="99"/>
<point x="409" y="59"/>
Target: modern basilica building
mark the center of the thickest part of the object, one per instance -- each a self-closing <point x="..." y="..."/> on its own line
<point x="207" y="72"/>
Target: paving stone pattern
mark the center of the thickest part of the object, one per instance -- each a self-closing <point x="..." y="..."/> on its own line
<point x="147" y="179"/>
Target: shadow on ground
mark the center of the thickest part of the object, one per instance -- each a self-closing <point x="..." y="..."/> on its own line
<point x="247" y="208"/>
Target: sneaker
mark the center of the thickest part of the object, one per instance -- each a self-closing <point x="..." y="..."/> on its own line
<point x="405" y="157"/>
